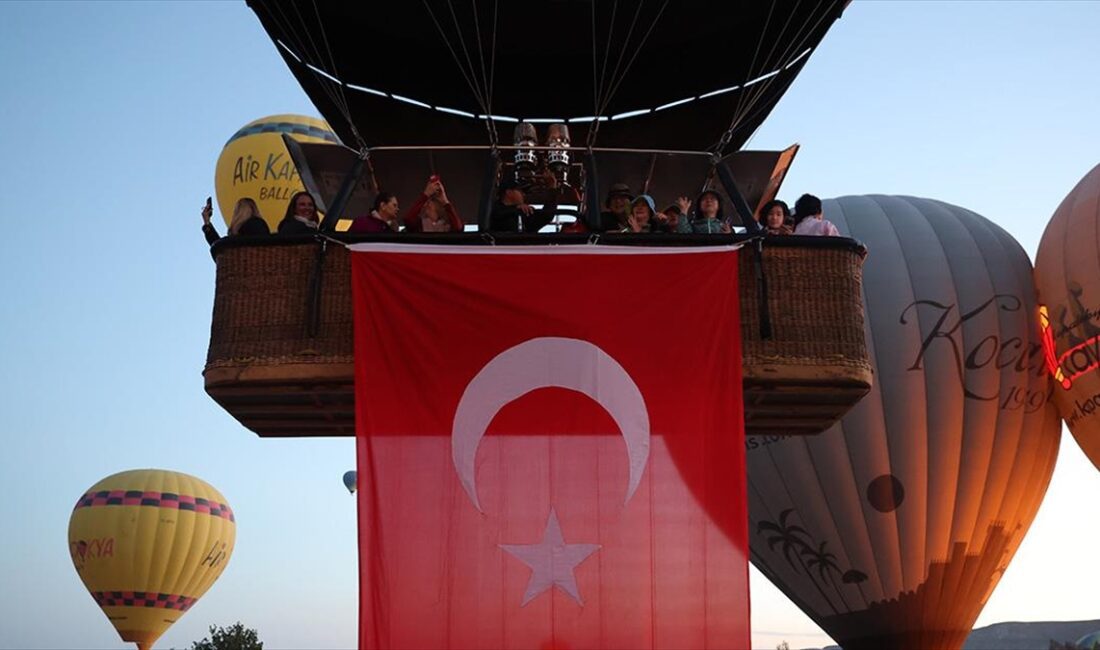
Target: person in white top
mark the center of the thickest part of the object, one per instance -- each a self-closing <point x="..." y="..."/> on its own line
<point x="809" y="219"/>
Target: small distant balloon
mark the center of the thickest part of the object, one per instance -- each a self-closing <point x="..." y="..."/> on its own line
<point x="350" y="480"/>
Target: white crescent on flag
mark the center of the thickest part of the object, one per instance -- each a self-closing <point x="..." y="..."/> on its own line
<point x="549" y="362"/>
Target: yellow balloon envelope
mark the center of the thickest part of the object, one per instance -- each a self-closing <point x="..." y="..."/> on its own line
<point x="255" y="164"/>
<point x="148" y="544"/>
<point x="1067" y="275"/>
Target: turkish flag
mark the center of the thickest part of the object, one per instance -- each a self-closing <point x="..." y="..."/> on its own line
<point x="550" y="447"/>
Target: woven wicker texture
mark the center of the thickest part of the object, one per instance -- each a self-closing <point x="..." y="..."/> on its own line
<point x="262" y="307"/>
<point x="815" y="305"/>
<point x="262" y="310"/>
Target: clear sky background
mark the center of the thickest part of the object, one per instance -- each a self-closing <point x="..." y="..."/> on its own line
<point x="113" y="115"/>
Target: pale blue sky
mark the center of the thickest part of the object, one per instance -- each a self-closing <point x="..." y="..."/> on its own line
<point x="113" y="118"/>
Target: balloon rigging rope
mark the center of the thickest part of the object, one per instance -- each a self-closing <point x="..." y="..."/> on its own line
<point x="606" y="56"/>
<point x="309" y="51"/>
<point x="634" y="57"/>
<point x="617" y="78"/>
<point x="794" y="46"/>
<point x="316" y="55"/>
<point x="345" y="108"/>
<point x="466" y="53"/>
<point x="737" y="112"/>
<point x="619" y="61"/>
<point x="481" y="58"/>
<point x="465" y="74"/>
<point x="595" y="58"/>
<point x="493" y="64"/>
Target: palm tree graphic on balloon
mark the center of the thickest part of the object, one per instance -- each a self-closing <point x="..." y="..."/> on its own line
<point x="797" y="542"/>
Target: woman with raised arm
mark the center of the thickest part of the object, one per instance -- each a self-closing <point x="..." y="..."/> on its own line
<point x="643" y="216"/>
<point x="707" y="218"/>
<point x="246" y="221"/>
<point x="432" y="211"/>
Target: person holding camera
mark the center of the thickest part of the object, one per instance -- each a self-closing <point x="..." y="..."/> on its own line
<point x="246" y="220"/>
<point x="432" y="211"/>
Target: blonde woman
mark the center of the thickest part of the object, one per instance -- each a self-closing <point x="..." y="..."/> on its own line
<point x="246" y="220"/>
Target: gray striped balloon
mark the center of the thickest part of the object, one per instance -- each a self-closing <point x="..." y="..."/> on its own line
<point x="891" y="529"/>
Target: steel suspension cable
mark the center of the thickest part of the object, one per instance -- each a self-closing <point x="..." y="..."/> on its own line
<point x="466" y="53"/>
<point x="345" y="106"/>
<point x="305" y="53"/>
<point x="489" y="127"/>
<point x="637" y="51"/>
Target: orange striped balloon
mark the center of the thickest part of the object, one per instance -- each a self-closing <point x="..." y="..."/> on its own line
<point x="1067" y="274"/>
<point x="148" y="544"/>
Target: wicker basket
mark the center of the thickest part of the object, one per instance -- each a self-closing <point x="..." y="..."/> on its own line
<point x="281" y="358"/>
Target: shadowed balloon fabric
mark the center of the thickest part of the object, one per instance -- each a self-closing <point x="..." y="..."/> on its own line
<point x="531" y="60"/>
<point x="538" y="470"/>
<point x="148" y="544"/>
<point x="1067" y="274"/>
<point x="891" y="529"/>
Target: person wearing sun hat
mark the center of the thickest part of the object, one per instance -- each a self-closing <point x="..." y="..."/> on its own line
<point x="616" y="208"/>
<point x="644" y="216"/>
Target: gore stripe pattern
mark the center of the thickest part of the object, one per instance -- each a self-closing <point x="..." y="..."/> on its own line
<point x="156" y="499"/>
<point x="142" y="599"/>
<point x="285" y="127"/>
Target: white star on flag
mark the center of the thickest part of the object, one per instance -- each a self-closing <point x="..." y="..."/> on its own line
<point x="552" y="561"/>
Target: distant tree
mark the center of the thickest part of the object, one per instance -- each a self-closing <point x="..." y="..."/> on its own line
<point x="783" y="646"/>
<point x="234" y="637"/>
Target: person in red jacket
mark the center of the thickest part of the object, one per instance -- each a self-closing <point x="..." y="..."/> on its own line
<point x="432" y="211"/>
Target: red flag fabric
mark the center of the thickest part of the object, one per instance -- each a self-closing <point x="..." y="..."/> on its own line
<point x="550" y="447"/>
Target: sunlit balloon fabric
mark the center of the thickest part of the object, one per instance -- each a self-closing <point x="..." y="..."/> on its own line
<point x="255" y="164"/>
<point x="891" y="529"/>
<point x="148" y="544"/>
<point x="548" y="461"/>
<point x="1067" y="273"/>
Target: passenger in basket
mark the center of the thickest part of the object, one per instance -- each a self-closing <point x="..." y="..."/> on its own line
<point x="616" y="208"/>
<point x="301" y="216"/>
<point x="432" y="211"/>
<point x="809" y="218"/>
<point x="707" y="218"/>
<point x="644" y="216"/>
<point x="382" y="218"/>
<point x="774" y="217"/>
<point x="511" y="210"/>
<point x="246" y="221"/>
<point x="673" y="214"/>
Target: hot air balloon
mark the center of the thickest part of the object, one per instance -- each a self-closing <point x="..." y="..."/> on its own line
<point x="350" y="478"/>
<point x="491" y="74"/>
<point x="147" y="544"/>
<point x="1067" y="274"/>
<point x="891" y="529"/>
<point x="521" y="79"/>
<point x="254" y="164"/>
